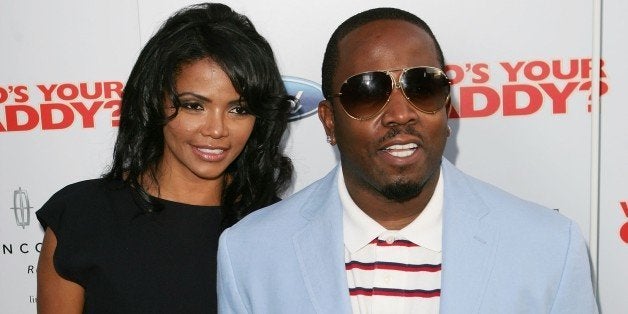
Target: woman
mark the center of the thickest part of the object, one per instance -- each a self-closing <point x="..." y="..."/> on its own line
<point x="202" y="117"/>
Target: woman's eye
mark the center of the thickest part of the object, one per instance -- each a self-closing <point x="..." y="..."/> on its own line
<point x="239" y="110"/>
<point x="192" y="106"/>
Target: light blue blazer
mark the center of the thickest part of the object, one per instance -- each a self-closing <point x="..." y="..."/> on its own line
<point x="501" y="254"/>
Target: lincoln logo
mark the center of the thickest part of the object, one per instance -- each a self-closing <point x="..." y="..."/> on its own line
<point x="21" y="208"/>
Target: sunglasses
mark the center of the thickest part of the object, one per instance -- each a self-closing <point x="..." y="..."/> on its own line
<point x="364" y="95"/>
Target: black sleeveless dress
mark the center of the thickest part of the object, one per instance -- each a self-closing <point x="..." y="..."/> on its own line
<point x="129" y="261"/>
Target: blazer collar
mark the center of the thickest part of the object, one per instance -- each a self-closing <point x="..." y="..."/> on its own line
<point x="320" y="250"/>
<point x="469" y="244"/>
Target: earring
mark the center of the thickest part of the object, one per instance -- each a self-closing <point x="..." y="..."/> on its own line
<point x="448" y="130"/>
<point x="328" y="139"/>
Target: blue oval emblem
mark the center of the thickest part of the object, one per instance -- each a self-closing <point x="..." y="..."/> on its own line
<point x="307" y="95"/>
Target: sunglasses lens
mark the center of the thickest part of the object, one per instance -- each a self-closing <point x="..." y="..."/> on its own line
<point x="363" y="95"/>
<point x="427" y="88"/>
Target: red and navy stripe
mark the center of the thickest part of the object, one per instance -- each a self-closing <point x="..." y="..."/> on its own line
<point x="415" y="293"/>
<point x="393" y="266"/>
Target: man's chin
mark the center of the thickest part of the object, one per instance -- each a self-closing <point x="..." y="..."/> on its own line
<point x="402" y="191"/>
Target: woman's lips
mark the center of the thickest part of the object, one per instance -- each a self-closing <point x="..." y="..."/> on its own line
<point x="210" y="154"/>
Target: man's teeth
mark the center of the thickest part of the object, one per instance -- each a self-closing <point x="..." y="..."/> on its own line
<point x="404" y="150"/>
<point x="210" y="151"/>
<point x="404" y="146"/>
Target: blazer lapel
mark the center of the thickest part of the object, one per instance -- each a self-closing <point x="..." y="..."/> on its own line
<point x="469" y="245"/>
<point x="320" y="249"/>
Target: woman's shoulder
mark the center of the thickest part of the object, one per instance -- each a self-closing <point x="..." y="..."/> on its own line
<point x="90" y="188"/>
<point x="80" y="199"/>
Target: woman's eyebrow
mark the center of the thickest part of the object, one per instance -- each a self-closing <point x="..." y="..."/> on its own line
<point x="193" y="94"/>
<point x="235" y="101"/>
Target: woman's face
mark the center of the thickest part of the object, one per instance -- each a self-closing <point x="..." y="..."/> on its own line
<point x="211" y="127"/>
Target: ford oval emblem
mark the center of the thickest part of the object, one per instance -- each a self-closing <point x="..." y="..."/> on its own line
<point x="307" y="95"/>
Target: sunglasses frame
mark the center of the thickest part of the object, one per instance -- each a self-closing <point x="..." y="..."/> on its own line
<point x="395" y="85"/>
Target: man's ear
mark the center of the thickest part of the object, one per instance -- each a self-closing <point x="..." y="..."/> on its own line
<point x="326" y="115"/>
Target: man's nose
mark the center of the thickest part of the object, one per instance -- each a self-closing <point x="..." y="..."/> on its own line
<point x="398" y="110"/>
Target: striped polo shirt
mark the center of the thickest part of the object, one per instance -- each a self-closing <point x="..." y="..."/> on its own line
<point x="393" y="271"/>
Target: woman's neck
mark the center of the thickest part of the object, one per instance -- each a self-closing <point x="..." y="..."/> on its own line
<point x="181" y="189"/>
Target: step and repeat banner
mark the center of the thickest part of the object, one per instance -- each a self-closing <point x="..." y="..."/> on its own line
<point x="522" y="117"/>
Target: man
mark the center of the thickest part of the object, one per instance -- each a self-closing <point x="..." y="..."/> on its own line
<point x="395" y="228"/>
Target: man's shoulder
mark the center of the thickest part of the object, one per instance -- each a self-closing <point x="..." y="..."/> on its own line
<point x="505" y="207"/>
<point x="286" y="215"/>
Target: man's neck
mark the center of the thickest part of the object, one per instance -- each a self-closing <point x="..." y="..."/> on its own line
<point x="393" y="215"/>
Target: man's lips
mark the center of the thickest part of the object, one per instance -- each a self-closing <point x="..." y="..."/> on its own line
<point x="401" y="150"/>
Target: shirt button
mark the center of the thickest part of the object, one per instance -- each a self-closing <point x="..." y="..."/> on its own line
<point x="390" y="240"/>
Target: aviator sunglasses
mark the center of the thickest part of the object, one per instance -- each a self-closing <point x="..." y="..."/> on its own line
<point x="364" y="95"/>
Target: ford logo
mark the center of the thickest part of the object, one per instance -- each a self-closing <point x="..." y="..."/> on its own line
<point x="307" y="95"/>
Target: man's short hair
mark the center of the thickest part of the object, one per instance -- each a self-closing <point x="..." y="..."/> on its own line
<point x="330" y="59"/>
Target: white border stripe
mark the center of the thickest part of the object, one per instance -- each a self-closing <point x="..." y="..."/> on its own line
<point x="595" y="139"/>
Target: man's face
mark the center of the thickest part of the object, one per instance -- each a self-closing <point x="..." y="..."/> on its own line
<point x="398" y="152"/>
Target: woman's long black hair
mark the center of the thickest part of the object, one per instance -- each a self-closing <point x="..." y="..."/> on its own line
<point x="208" y="30"/>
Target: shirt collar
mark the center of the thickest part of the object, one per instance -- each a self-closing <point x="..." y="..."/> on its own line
<point x="359" y="229"/>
